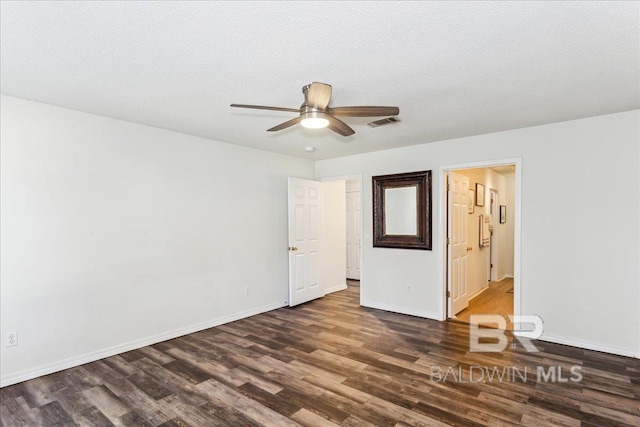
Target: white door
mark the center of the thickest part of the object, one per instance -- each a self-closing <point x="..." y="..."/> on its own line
<point x="305" y="223"/>
<point x="353" y="235"/>
<point x="457" y="211"/>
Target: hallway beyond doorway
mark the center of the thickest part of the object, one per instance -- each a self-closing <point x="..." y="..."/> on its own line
<point x="496" y="299"/>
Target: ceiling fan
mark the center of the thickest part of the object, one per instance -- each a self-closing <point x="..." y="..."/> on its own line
<point x="315" y="111"/>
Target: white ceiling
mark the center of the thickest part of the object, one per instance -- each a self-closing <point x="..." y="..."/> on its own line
<point x="454" y="68"/>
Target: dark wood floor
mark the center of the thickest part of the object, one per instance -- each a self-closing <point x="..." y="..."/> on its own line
<point x="324" y="363"/>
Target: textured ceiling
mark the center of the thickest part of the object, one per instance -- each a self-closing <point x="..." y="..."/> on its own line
<point x="454" y="68"/>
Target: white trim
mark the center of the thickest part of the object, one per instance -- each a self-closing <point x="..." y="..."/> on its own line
<point x="588" y="346"/>
<point x="402" y="310"/>
<point x="517" y="229"/>
<point x="71" y="362"/>
<point x="478" y="292"/>
<point x="335" y="289"/>
<point x="495" y="248"/>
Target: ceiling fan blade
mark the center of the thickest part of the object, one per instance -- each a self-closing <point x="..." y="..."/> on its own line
<point x="318" y="95"/>
<point x="364" y="111"/>
<point x="262" y="107"/>
<point x="339" y="126"/>
<point x="285" y="124"/>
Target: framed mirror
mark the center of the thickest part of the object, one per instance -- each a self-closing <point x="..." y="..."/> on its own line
<point x="402" y="210"/>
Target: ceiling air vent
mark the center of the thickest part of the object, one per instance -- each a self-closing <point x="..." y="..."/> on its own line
<point x="383" y="122"/>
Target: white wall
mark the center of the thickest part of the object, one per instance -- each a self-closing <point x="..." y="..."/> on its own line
<point x="334" y="243"/>
<point x="579" y="227"/>
<point x="115" y="235"/>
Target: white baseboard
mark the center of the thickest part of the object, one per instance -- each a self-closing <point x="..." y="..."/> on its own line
<point x="71" y="362"/>
<point x="589" y="346"/>
<point x="401" y="310"/>
<point x="478" y="292"/>
<point x="336" y="288"/>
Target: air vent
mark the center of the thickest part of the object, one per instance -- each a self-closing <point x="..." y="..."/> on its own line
<point x="383" y="122"/>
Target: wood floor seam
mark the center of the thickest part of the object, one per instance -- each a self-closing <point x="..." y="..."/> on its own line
<point x="330" y="362"/>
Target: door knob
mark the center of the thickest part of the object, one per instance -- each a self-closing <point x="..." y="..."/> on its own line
<point x="469" y="248"/>
<point x="293" y="248"/>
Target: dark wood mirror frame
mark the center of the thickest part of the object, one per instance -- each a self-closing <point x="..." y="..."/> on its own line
<point x="422" y="182"/>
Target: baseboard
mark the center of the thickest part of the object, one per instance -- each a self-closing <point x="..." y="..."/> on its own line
<point x="401" y="310"/>
<point x="478" y="292"/>
<point x="588" y="346"/>
<point x="112" y="351"/>
<point x="336" y="288"/>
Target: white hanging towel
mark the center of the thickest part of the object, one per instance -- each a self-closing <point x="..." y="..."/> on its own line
<point x="485" y="230"/>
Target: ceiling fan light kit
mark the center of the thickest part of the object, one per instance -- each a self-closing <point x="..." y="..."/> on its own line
<point x="313" y="119"/>
<point x="315" y="112"/>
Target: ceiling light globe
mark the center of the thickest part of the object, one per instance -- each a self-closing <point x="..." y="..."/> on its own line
<point x="315" y="122"/>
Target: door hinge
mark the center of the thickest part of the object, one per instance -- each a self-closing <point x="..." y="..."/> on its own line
<point x="448" y="294"/>
<point x="448" y="241"/>
<point x="448" y="187"/>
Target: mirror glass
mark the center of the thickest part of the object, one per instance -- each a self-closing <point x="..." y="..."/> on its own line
<point x="400" y="211"/>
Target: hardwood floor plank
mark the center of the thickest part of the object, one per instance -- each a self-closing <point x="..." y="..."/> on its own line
<point x="309" y="419"/>
<point x="188" y="372"/>
<point x="13" y="414"/>
<point x="107" y="402"/>
<point x="329" y="362"/>
<point x="149" y="386"/>
<point x="232" y="416"/>
<point x="257" y="379"/>
<point x="354" y="421"/>
<point x="452" y="419"/>
<point x="250" y="408"/>
<point x="402" y="414"/>
<point x="53" y="414"/>
<point x="270" y="400"/>
<point x="133" y="418"/>
<point x="93" y="417"/>
<point x="338" y="388"/>
<point x="612" y="414"/>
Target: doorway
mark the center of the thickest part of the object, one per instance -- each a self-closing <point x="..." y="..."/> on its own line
<point x="481" y="263"/>
<point x="350" y="208"/>
<point x="354" y="239"/>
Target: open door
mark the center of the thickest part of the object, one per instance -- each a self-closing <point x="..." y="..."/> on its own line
<point x="353" y="232"/>
<point x="305" y="232"/>
<point x="457" y="266"/>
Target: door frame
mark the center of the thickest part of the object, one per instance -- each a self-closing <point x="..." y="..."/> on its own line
<point x="494" y="242"/>
<point x="517" y="229"/>
<point x="359" y="193"/>
<point x="356" y="177"/>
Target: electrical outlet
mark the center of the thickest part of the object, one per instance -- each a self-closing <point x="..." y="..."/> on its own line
<point x="11" y="339"/>
<point x="408" y="289"/>
<point x="247" y="291"/>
